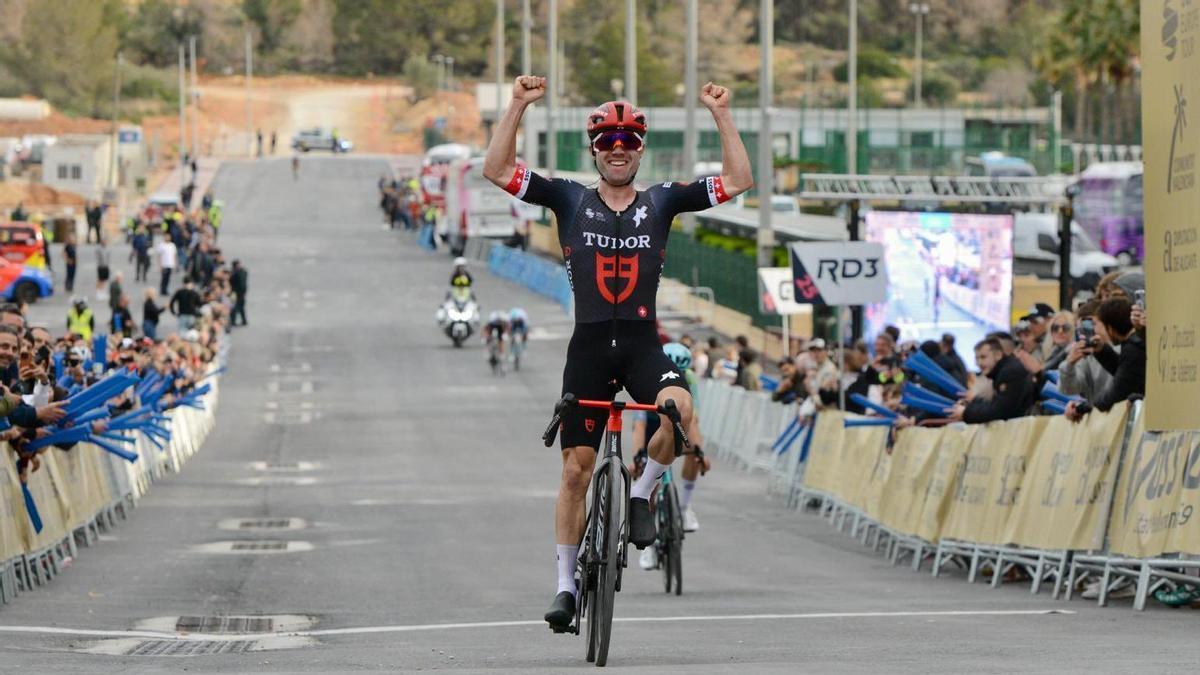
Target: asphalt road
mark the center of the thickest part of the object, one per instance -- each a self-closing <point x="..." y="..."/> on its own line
<point x="426" y="502"/>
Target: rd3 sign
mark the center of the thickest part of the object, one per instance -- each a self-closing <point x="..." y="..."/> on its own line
<point x="845" y="273"/>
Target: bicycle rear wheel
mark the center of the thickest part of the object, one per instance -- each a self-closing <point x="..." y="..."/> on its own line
<point x="610" y="562"/>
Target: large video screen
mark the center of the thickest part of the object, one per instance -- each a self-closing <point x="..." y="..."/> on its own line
<point x="947" y="273"/>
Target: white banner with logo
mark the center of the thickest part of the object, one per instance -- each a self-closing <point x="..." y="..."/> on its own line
<point x="776" y="292"/>
<point x="842" y="273"/>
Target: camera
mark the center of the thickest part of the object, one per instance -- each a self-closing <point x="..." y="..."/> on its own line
<point x="43" y="354"/>
<point x="1086" y="330"/>
<point x="1139" y="298"/>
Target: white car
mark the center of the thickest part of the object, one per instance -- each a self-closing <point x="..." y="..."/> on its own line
<point x="320" y="139"/>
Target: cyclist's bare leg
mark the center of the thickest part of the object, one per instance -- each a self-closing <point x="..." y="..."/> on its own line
<point x="569" y="521"/>
<point x="569" y="512"/>
<point x="662" y="445"/>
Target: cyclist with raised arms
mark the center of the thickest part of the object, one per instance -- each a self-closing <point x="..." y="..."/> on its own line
<point x="614" y="240"/>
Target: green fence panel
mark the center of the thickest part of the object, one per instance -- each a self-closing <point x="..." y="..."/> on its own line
<point x="733" y="276"/>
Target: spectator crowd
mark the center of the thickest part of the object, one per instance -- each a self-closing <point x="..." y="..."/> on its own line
<point x="41" y="368"/>
<point x="1092" y="357"/>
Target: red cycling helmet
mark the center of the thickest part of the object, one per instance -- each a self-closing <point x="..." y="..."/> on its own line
<point x="615" y="115"/>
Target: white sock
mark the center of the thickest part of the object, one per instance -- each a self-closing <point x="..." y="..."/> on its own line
<point x="645" y="485"/>
<point x="566" y="567"/>
<point x="685" y="499"/>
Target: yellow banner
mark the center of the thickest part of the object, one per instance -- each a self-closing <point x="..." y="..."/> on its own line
<point x="1068" y="483"/>
<point x="825" y="453"/>
<point x="986" y="485"/>
<point x="12" y="509"/>
<point x="1157" y="505"/>
<point x="909" y="472"/>
<point x="861" y="448"/>
<point x="939" y="487"/>
<point x="1170" y="62"/>
<point x="49" y="508"/>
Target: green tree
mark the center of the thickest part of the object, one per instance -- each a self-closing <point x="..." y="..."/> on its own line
<point x="151" y="36"/>
<point x="272" y="18"/>
<point x="66" y="52"/>
<point x="872" y="62"/>
<point x="378" y="36"/>
<point x="595" y="47"/>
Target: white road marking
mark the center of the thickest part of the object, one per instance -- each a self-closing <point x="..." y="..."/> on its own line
<point x="412" y="628"/>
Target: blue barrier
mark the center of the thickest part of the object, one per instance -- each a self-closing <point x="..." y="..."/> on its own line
<point x="537" y="274"/>
<point x="917" y="391"/>
<point x="885" y="422"/>
<point x="1049" y="391"/>
<point x="871" y="405"/>
<point x="926" y="368"/>
<point x="812" y="429"/>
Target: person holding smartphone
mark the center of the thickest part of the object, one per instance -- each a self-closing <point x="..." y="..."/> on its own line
<point x="1080" y="374"/>
<point x="1128" y="368"/>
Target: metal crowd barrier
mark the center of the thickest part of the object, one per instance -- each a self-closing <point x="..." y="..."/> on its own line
<point x="84" y="492"/>
<point x="1118" y="506"/>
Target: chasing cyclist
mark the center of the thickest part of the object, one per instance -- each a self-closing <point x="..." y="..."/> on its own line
<point x="493" y="336"/>
<point x="518" y="324"/>
<point x="694" y="462"/>
<point x="614" y="240"/>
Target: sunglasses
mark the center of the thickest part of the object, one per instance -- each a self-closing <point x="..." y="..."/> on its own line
<point x="1060" y="328"/>
<point x="609" y="140"/>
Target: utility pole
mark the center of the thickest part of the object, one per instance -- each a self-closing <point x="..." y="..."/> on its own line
<point x="631" y="51"/>
<point x="499" y="61"/>
<point x="527" y="69"/>
<point x="551" y="88"/>
<point x="766" y="159"/>
<point x="249" y="111"/>
<point x="449" y="73"/>
<point x="690" y="94"/>
<point x="919" y="9"/>
<point x="852" y="98"/>
<point x="441" y="78"/>
<point x="182" y="117"/>
<point x="195" y="100"/>
<point x="112" y="163"/>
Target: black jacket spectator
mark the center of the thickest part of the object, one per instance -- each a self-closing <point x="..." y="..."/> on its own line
<point x="1129" y="368"/>
<point x="1012" y="394"/>
<point x="185" y="302"/>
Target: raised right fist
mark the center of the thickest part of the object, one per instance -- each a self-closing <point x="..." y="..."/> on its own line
<point x="528" y="88"/>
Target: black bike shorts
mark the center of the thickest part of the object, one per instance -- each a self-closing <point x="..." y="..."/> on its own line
<point x="603" y="358"/>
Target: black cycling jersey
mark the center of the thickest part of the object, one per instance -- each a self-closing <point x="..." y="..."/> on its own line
<point x="614" y="259"/>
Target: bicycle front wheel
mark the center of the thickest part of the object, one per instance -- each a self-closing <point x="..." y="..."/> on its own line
<point x="675" y="542"/>
<point x="610" y="563"/>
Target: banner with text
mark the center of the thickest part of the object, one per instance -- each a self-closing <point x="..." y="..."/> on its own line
<point x="1170" y="62"/>
<point x="842" y="273"/>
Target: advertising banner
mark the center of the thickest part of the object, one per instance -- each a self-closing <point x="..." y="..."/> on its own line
<point x="1170" y="61"/>
<point x="12" y="513"/>
<point x="1068" y="483"/>
<point x="986" y="487"/>
<point x="842" y="273"/>
<point x="825" y="452"/>
<point x="1157" y="505"/>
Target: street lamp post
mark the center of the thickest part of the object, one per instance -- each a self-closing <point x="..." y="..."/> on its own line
<point x="920" y="10"/>
<point x="552" y="88"/>
<point x="499" y="58"/>
<point x="852" y="96"/>
<point x="766" y="160"/>
<point x="440" y="61"/>
<point x="631" y="51"/>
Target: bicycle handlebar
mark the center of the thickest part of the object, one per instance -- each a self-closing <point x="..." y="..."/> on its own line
<point x="668" y="408"/>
